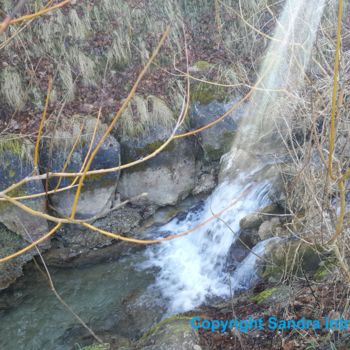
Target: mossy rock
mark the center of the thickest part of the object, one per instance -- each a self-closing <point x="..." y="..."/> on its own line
<point x="16" y="163"/>
<point x="57" y="153"/>
<point x="10" y="243"/>
<point x="291" y="257"/>
<point x="265" y="294"/>
<point x="205" y="93"/>
<point x="132" y="150"/>
<point x="216" y="140"/>
<point x="326" y="267"/>
<point x="170" y="334"/>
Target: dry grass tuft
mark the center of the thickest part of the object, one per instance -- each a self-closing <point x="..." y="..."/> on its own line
<point x="12" y="88"/>
<point x="144" y="115"/>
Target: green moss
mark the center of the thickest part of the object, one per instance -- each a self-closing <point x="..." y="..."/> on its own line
<point x="202" y="65"/>
<point x="103" y="180"/>
<point x="325" y="269"/>
<point x="12" y="145"/>
<point x="17" y="192"/>
<point x="213" y="153"/>
<point x="206" y="93"/>
<point x="307" y="260"/>
<point x="130" y="153"/>
<point x="156" y="328"/>
<point x="97" y="347"/>
<point x="261" y="297"/>
<point x="12" y="173"/>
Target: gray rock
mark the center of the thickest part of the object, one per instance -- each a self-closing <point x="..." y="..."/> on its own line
<point x="218" y="139"/>
<point x="98" y="190"/>
<point x="206" y="178"/>
<point x="16" y="163"/>
<point x="10" y="243"/>
<point x="254" y="220"/>
<point x="167" y="178"/>
<point x="79" y="240"/>
<point x="289" y="256"/>
<point x="251" y="221"/>
<point x="269" y="228"/>
<point x="173" y="335"/>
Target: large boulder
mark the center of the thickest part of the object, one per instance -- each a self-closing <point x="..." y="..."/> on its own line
<point x="77" y="241"/>
<point x="12" y="269"/>
<point x="216" y="140"/>
<point x="168" y="177"/>
<point x="287" y="257"/>
<point x="65" y="148"/>
<point x="16" y="163"/>
<point x="170" y="334"/>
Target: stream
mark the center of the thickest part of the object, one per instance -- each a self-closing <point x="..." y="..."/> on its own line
<point x="129" y="295"/>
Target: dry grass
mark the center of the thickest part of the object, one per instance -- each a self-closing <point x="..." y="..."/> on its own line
<point x="144" y="115"/>
<point x="65" y="37"/>
<point x="313" y="197"/>
<point x="12" y="88"/>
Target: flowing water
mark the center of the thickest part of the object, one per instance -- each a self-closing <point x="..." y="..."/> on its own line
<point x="100" y="294"/>
<point x="192" y="268"/>
<point x="181" y="274"/>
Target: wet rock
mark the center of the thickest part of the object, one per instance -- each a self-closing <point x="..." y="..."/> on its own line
<point x="79" y="240"/>
<point x="254" y="220"/>
<point x="16" y="163"/>
<point x="174" y="334"/>
<point x="251" y="221"/>
<point x="11" y="270"/>
<point x="206" y="178"/>
<point x="217" y="140"/>
<point x="137" y="303"/>
<point x="98" y="190"/>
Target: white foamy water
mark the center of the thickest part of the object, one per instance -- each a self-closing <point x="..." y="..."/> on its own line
<point x="192" y="267"/>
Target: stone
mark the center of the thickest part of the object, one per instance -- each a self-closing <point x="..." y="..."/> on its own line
<point x="216" y="140"/>
<point x="268" y="228"/>
<point x="16" y="163"/>
<point x="77" y="241"/>
<point x="98" y="190"/>
<point x="251" y="221"/>
<point x="172" y="334"/>
<point x="11" y="270"/>
<point x="287" y="256"/>
<point x="254" y="220"/>
<point x="166" y="179"/>
<point x="170" y="175"/>
<point x="206" y="182"/>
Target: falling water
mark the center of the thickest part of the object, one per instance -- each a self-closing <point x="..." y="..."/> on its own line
<point x="191" y="268"/>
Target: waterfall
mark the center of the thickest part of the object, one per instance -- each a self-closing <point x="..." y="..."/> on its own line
<point x="192" y="268"/>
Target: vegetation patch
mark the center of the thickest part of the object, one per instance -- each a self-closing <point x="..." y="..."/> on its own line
<point x="156" y="328"/>
<point x="262" y="296"/>
<point x="144" y="115"/>
<point x="205" y="93"/>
